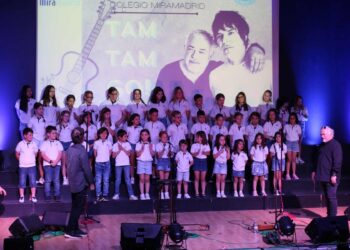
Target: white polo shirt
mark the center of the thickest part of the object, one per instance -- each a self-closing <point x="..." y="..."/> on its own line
<point x="122" y="159"/>
<point x="292" y="132"/>
<point x="72" y="119"/>
<point x="168" y="148"/>
<point x="91" y="132"/>
<point x="161" y="107"/>
<point x="137" y="108"/>
<point x="251" y="131"/>
<point x="225" y="111"/>
<point x="51" y="149"/>
<point x="38" y="126"/>
<point x="259" y="153"/>
<point x="93" y="109"/>
<point x="50" y="114"/>
<point x="154" y="129"/>
<point x="195" y="109"/>
<point x="133" y="134"/>
<point x="237" y="132"/>
<point x="200" y="127"/>
<point x="215" y="130"/>
<point x="177" y="133"/>
<point x="27" y="153"/>
<point x="146" y="154"/>
<point x="262" y="109"/>
<point x="182" y="107"/>
<point x="276" y="149"/>
<point x="201" y="148"/>
<point x="116" y="109"/>
<point x="183" y="161"/>
<point x="222" y="158"/>
<point x="271" y="129"/>
<point x="65" y="132"/>
<point x="239" y="161"/>
<point x="103" y="149"/>
<point x="24" y="117"/>
<point x="245" y="113"/>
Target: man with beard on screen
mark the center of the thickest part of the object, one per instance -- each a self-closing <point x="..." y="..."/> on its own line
<point x="192" y="72"/>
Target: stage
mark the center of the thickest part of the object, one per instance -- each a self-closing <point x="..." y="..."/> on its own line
<point x="228" y="230"/>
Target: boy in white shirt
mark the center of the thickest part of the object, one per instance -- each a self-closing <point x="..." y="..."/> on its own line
<point x="102" y="152"/>
<point x="200" y="125"/>
<point x="237" y="130"/>
<point x="51" y="152"/>
<point x="154" y="126"/>
<point x="184" y="160"/>
<point x="253" y="128"/>
<point x="177" y="130"/>
<point x="220" y="108"/>
<point x="26" y="151"/>
<point x="121" y="152"/>
<point x="198" y="105"/>
<point x="218" y="128"/>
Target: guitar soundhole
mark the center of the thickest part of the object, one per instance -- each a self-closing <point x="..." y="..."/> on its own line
<point x="73" y="77"/>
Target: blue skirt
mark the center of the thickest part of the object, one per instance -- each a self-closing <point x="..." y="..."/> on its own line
<point x="200" y="164"/>
<point x="259" y="168"/>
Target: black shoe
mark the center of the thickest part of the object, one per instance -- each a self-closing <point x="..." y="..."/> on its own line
<point x="81" y="233"/>
<point x="57" y="198"/>
<point x="72" y="235"/>
<point x="47" y="198"/>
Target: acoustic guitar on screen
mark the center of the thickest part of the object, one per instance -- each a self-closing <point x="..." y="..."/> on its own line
<point x="77" y="70"/>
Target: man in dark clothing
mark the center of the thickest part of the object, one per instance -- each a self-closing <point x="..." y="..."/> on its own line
<point x="80" y="180"/>
<point x="328" y="169"/>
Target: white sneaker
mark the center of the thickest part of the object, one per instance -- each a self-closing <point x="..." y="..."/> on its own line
<point x="263" y="193"/>
<point x="255" y="193"/>
<point x="65" y="181"/>
<point x="166" y="196"/>
<point x="218" y="195"/>
<point x="162" y="197"/>
<point x="142" y="197"/>
<point x="147" y="197"/>
<point x="133" y="198"/>
<point x="34" y="199"/>
<point x="300" y="161"/>
<point x="41" y="181"/>
<point x="115" y="197"/>
<point x="235" y="194"/>
<point x="223" y="195"/>
<point x="187" y="196"/>
<point x="295" y="177"/>
<point x="132" y="180"/>
<point x="277" y="193"/>
<point x="178" y="196"/>
<point x="21" y="200"/>
<point x="288" y="177"/>
<point x="241" y="194"/>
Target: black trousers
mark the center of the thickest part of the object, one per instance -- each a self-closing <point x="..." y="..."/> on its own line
<point x="78" y="203"/>
<point x="330" y="193"/>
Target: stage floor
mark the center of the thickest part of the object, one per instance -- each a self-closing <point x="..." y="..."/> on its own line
<point x="228" y="229"/>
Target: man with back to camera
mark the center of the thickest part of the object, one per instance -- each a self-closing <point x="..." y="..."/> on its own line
<point x="80" y="180"/>
<point x="328" y="168"/>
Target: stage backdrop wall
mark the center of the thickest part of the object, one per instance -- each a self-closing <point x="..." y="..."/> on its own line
<point x="314" y="62"/>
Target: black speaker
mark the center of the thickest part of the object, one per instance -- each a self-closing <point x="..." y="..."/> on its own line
<point x="26" y="226"/>
<point x="25" y="243"/>
<point x="328" y="229"/>
<point x="141" y="236"/>
<point x="56" y="219"/>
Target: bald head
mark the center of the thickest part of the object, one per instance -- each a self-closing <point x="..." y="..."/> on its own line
<point x="327" y="134"/>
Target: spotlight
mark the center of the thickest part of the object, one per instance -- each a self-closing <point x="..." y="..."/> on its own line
<point x="285" y="226"/>
<point x="176" y="233"/>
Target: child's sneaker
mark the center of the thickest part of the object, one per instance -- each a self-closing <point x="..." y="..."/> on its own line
<point x="288" y="177"/>
<point x="241" y="194"/>
<point x="178" y="196"/>
<point x="187" y="196"/>
<point x="105" y="198"/>
<point x="147" y="197"/>
<point x="115" y="197"/>
<point x="65" y="181"/>
<point x="41" y="181"/>
<point x="132" y="180"/>
<point x="34" y="200"/>
<point x="223" y="195"/>
<point x="218" y="194"/>
<point x="263" y="193"/>
<point x="166" y="196"/>
<point x="99" y="199"/>
<point x="235" y="194"/>
<point x="162" y="197"/>
<point x="21" y="199"/>
<point x="132" y="198"/>
<point x="295" y="177"/>
<point x="142" y="197"/>
<point x="255" y="193"/>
